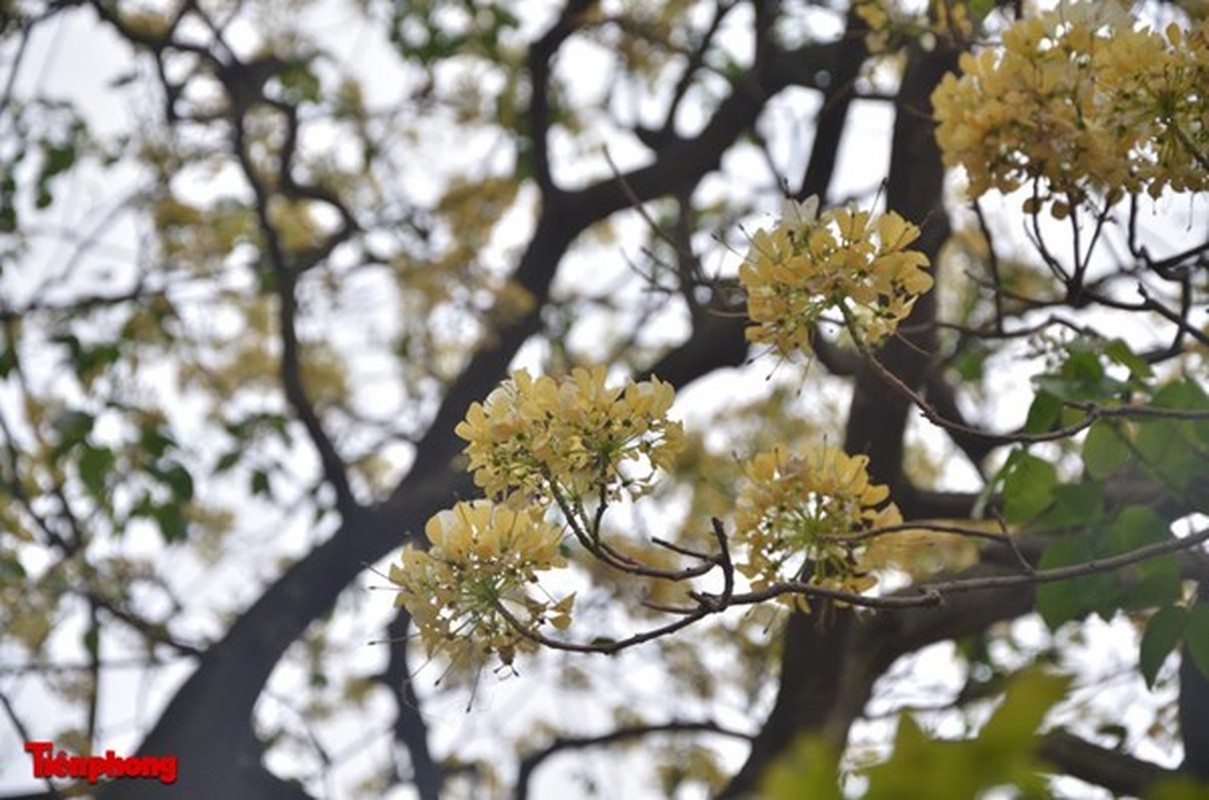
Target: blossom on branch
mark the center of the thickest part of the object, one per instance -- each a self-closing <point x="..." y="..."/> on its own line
<point x="893" y="23"/>
<point x="1083" y="102"/>
<point x="851" y="262"/>
<point x="797" y="516"/>
<point x="475" y="575"/>
<point x="569" y="438"/>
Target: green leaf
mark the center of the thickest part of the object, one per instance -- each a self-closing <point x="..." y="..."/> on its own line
<point x="171" y="521"/>
<point x="1165" y="450"/>
<point x="1196" y="638"/>
<point x="1106" y="450"/>
<point x="1082" y="377"/>
<point x="154" y="442"/>
<point x="1137" y="526"/>
<point x="180" y="481"/>
<point x="1118" y="351"/>
<point x="96" y="463"/>
<point x="970" y="363"/>
<point x="228" y="460"/>
<point x="8" y="216"/>
<point x="1060" y="601"/>
<point x="923" y="767"/>
<point x="1147" y="583"/>
<point x="1176" y="451"/>
<point x="1043" y="414"/>
<point x="144" y="507"/>
<point x="1083" y="366"/>
<point x="11" y="571"/>
<point x="807" y="769"/>
<point x="1002" y="754"/>
<point x="1180" y="788"/>
<point x="1028" y="487"/>
<point x="979" y="9"/>
<point x="260" y="483"/>
<point x="91" y="361"/>
<point x="1162" y="634"/>
<point x="8" y="358"/>
<point x="1186" y="395"/>
<point x="58" y="159"/>
<point x="1029" y="698"/>
<point x="1076" y="505"/>
<point x="73" y="428"/>
<point x="300" y="83"/>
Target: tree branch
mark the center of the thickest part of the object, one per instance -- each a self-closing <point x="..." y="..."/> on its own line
<point x="1120" y="773"/>
<point x="411" y="730"/>
<point x="531" y="762"/>
<point x="540" y="55"/>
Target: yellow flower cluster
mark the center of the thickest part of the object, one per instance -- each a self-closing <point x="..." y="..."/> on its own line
<point x="1083" y="101"/>
<point x="567" y="438"/>
<point x="480" y="560"/>
<point x="795" y="517"/>
<point x="892" y="23"/>
<point x="842" y="260"/>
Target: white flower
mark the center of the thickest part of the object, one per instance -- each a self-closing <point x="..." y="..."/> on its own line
<point x="800" y="215"/>
<point x="504" y="396"/>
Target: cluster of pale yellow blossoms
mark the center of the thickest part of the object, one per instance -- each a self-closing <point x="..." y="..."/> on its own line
<point x="534" y="444"/>
<point x="475" y="574"/>
<point x="537" y="444"/>
<point x="567" y="440"/>
<point x="851" y="263"/>
<point x="892" y="23"/>
<point x="1086" y="103"/>
<point x="796" y="519"/>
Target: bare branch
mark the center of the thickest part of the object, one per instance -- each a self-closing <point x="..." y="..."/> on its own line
<point x="531" y="762"/>
<point x="1118" y="772"/>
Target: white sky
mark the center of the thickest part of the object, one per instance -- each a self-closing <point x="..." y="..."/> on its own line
<point x="73" y="57"/>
